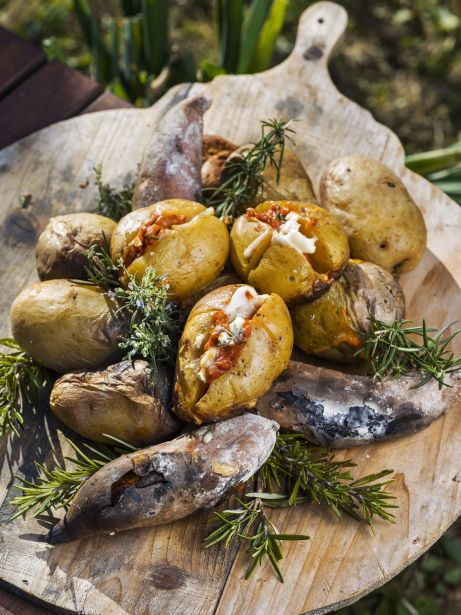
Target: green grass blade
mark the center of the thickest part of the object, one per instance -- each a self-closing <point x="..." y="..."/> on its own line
<point x="114" y="45"/>
<point x="230" y="19"/>
<point x="268" y="38"/>
<point x="156" y="39"/>
<point x="435" y="160"/>
<point x="83" y="13"/>
<point x="254" y="22"/>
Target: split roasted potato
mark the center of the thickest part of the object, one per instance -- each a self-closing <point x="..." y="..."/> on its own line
<point x="234" y="344"/>
<point x="290" y="248"/>
<point x="61" y="248"/>
<point x="121" y="401"/>
<point x="179" y="239"/>
<point x="383" y="223"/>
<point x="65" y="325"/>
<point x="331" y="326"/>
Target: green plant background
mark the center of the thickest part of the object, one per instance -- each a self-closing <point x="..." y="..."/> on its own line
<point x="401" y="60"/>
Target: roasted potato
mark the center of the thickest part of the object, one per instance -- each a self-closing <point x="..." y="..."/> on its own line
<point x="234" y="344"/>
<point x="66" y="325"/>
<point x="216" y="150"/>
<point x="331" y="326"/>
<point x="61" y="248"/>
<point x="121" y="401"/>
<point x="383" y="223"/>
<point x="180" y="239"/>
<point x="169" y="481"/>
<point x="290" y="248"/>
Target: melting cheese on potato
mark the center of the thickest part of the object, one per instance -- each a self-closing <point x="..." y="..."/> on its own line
<point x="244" y="302"/>
<point x="290" y="235"/>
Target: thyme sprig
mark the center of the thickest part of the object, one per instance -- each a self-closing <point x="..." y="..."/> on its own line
<point x="112" y="203"/>
<point x="243" y="173"/>
<point x="402" y="346"/>
<point x="22" y="380"/>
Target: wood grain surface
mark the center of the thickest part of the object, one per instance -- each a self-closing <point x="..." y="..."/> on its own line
<point x="165" y="570"/>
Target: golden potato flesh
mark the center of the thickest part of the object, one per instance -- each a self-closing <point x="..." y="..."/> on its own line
<point x="65" y="325"/>
<point x="62" y="246"/>
<point x="235" y="343"/>
<point x="383" y="223"/>
<point x="331" y="326"/>
<point x="289" y="248"/>
<point x="120" y="401"/>
<point x="180" y="239"/>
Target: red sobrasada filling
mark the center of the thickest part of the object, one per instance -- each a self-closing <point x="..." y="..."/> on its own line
<point x="150" y="232"/>
<point x="276" y="216"/>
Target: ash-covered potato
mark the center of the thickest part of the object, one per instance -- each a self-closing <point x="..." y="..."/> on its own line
<point x="61" y="248"/>
<point x="383" y="223"/>
<point x="65" y="325"/>
<point x="169" y="481"/>
<point x="234" y="344"/>
<point x="180" y="239"/>
<point x="121" y="401"/>
<point x="332" y="326"/>
<point x="290" y="248"/>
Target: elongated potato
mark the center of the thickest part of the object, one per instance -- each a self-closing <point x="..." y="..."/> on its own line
<point x="121" y="401"/>
<point x="331" y="326"/>
<point x="383" y="223"/>
<point x="234" y="344"/>
<point x="169" y="481"/>
<point x="62" y="246"/>
<point x="65" y="325"/>
<point x="181" y="239"/>
<point x="290" y="248"/>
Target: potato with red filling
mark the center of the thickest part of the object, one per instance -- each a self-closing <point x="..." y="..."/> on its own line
<point x="180" y="239"/>
<point x="235" y="343"/>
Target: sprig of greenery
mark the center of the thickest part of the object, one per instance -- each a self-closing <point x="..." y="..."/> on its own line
<point x="55" y="489"/>
<point x="243" y="173"/>
<point x="101" y="269"/>
<point x="112" y="203"/>
<point x="402" y="346"/>
<point x="21" y="381"/>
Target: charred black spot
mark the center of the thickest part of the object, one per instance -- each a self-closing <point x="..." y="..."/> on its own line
<point x="383" y="245"/>
<point x="313" y="53"/>
<point x="165" y="576"/>
<point x="407" y="420"/>
<point x="391" y="184"/>
<point x="20" y="227"/>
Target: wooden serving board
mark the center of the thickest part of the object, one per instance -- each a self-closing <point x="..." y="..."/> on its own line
<point x="165" y="570"/>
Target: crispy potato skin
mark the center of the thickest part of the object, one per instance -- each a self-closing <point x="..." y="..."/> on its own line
<point x="65" y="325"/>
<point x="121" y="401"/>
<point x="330" y="326"/>
<point x="283" y="270"/>
<point x="61" y="247"/>
<point x="170" y="481"/>
<point x="192" y="254"/>
<point x="264" y="356"/>
<point x="382" y="221"/>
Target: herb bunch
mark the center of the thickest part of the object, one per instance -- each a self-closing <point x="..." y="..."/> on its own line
<point x="22" y="380"/>
<point x="112" y="203"/>
<point x="243" y="173"/>
<point x="402" y="346"/>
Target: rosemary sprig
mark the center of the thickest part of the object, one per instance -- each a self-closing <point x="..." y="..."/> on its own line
<point x="402" y="346"/>
<point x="21" y="381"/>
<point x="244" y="173"/>
<point x="112" y="203"/>
<point x="101" y="270"/>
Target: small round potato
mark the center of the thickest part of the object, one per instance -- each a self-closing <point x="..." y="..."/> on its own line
<point x="65" y="325"/>
<point x="191" y="248"/>
<point x="62" y="246"/>
<point x="383" y="223"/>
<point x="294" y="183"/>
<point x="259" y="360"/>
<point x="120" y="401"/>
<point x="268" y="253"/>
<point x="331" y="326"/>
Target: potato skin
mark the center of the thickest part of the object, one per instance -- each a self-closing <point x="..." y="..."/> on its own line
<point x="264" y="356"/>
<point x="330" y="326"/>
<point x="169" y="481"/>
<point x="61" y="247"/>
<point x="121" y="401"/>
<point x="383" y="223"/>
<point x="281" y="269"/>
<point x="65" y="325"/>
<point x="192" y="254"/>
<point x="294" y="182"/>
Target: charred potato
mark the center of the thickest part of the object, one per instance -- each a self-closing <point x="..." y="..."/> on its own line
<point x="62" y="246"/>
<point x="180" y="239"/>
<point x="382" y="221"/>
<point x="169" y="481"/>
<point x="65" y="325"/>
<point x="121" y="401"/>
<point x="289" y="248"/>
<point x="331" y="326"/>
<point x="235" y="343"/>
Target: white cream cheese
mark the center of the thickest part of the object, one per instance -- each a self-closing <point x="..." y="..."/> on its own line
<point x="290" y="235"/>
<point x="206" y="361"/>
<point x="244" y="302"/>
